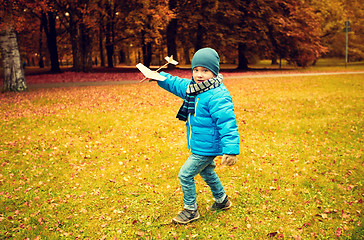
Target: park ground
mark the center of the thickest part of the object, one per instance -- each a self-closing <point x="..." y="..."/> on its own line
<point x="84" y="161"/>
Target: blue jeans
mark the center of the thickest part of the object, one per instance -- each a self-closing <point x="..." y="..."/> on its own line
<point x="205" y="166"/>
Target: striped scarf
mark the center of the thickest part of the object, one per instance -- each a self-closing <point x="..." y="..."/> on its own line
<point x="188" y="106"/>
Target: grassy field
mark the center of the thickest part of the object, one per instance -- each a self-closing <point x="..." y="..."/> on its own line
<point x="102" y="163"/>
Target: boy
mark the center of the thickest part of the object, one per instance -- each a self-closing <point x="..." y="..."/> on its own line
<point x="211" y="130"/>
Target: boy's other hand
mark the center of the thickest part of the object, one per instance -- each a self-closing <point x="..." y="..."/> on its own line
<point x="228" y="160"/>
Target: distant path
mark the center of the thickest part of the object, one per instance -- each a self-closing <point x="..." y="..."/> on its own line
<point x="229" y="76"/>
<point x="292" y="74"/>
<point x="80" y="84"/>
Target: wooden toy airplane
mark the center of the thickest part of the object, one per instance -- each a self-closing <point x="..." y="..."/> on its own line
<point x="154" y="74"/>
<point x="149" y="73"/>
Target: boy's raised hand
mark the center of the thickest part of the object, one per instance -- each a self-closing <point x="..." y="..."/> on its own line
<point x="228" y="160"/>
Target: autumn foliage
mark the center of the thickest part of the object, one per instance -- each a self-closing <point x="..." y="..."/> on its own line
<point x="78" y="32"/>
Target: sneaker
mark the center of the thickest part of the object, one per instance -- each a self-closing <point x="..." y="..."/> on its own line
<point x="226" y="204"/>
<point x="187" y="216"/>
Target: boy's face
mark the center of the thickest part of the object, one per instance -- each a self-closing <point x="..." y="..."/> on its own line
<point x="201" y="74"/>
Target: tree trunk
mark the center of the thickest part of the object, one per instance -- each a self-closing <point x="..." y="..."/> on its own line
<point x="121" y="56"/>
<point x="86" y="49"/>
<point x="147" y="54"/>
<point x="274" y="60"/>
<point x="14" y="79"/>
<point x="51" y="33"/>
<point x="109" y="35"/>
<point x="199" y="37"/>
<point x="81" y="47"/>
<point x="74" y="36"/>
<point x="147" y="51"/>
<point x="171" y="34"/>
<point x="102" y="58"/>
<point x="186" y="52"/>
<point x="277" y="50"/>
<point x="171" y="40"/>
<point x="40" y="62"/>
<point x="109" y="45"/>
<point x="243" y="62"/>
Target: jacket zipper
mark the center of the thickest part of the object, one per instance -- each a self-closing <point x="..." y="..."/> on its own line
<point x="189" y="123"/>
<point x="196" y="106"/>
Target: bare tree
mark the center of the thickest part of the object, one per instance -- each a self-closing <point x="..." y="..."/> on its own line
<point x="14" y="79"/>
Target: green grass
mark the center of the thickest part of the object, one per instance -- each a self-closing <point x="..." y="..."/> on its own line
<point x="102" y="163"/>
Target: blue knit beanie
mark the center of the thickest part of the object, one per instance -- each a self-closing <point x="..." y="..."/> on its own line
<point x="208" y="58"/>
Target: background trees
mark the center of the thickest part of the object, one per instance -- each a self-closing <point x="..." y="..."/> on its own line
<point x="108" y="32"/>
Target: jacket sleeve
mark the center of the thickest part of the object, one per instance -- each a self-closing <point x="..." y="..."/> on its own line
<point x="175" y="85"/>
<point x="222" y="113"/>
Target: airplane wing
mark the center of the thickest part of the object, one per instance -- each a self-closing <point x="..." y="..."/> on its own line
<point x="171" y="60"/>
<point x="149" y="73"/>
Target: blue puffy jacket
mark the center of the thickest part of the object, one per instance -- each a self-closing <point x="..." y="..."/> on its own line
<point x="212" y="130"/>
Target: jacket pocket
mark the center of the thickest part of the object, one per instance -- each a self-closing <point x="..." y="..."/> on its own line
<point x="204" y="138"/>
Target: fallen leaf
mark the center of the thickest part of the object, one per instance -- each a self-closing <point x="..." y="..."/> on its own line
<point x="338" y="232"/>
<point x="272" y="234"/>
